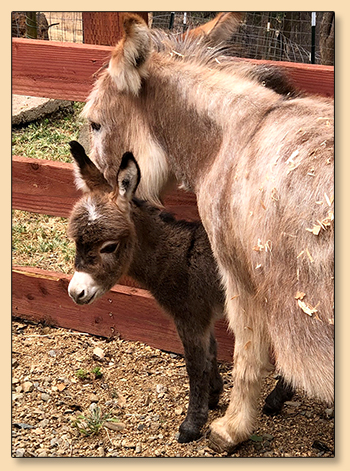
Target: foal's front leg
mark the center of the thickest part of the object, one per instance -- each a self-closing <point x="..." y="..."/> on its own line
<point x="198" y="367"/>
<point x="216" y="385"/>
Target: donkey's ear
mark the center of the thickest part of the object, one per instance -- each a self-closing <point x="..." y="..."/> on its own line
<point x="128" y="64"/>
<point x="220" y="29"/>
<point x="87" y="175"/>
<point x="128" y="177"/>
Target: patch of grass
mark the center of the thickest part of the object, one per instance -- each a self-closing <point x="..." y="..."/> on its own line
<point x="82" y="374"/>
<point x="41" y="241"/>
<point x="48" y="137"/>
<point x="97" y="372"/>
<point x="91" y="423"/>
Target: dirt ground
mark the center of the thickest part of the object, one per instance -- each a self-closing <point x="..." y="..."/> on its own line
<point x="63" y="379"/>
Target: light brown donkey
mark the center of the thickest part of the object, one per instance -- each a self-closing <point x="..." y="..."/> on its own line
<point x="261" y="167"/>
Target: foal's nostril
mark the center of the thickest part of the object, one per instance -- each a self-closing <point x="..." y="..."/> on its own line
<point x="81" y="294"/>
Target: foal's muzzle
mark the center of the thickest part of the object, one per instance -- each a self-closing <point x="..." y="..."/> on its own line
<point x="82" y="288"/>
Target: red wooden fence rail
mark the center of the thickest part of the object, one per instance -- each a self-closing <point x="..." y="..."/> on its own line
<point x="66" y="70"/>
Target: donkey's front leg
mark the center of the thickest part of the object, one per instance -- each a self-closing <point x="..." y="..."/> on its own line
<point x="251" y="364"/>
<point x="198" y="368"/>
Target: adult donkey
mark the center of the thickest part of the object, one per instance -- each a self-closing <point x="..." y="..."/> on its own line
<point x="261" y="167"/>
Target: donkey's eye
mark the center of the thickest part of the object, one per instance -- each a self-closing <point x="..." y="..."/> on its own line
<point x="109" y="248"/>
<point x="95" y="126"/>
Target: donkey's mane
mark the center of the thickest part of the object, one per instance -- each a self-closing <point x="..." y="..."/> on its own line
<point x="164" y="215"/>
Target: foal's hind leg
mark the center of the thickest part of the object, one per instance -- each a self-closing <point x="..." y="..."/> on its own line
<point x="251" y="363"/>
<point x="198" y="368"/>
<point x="216" y="384"/>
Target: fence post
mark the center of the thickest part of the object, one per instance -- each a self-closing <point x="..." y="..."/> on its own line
<point x="31" y="25"/>
<point x="313" y="36"/>
<point x="104" y="27"/>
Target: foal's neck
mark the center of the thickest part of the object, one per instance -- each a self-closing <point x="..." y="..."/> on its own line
<point x="160" y="241"/>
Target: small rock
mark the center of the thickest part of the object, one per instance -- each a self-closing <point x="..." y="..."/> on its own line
<point x="160" y="388"/>
<point x="55" y="442"/>
<point x="20" y="452"/>
<point x="98" y="353"/>
<point x="43" y="423"/>
<point x="329" y="413"/>
<point x="147" y="400"/>
<point x="93" y="398"/>
<point x="101" y="451"/>
<point x="52" y="353"/>
<point x="140" y="427"/>
<point x="23" y="426"/>
<point x="138" y="448"/>
<point x="27" y="386"/>
<point x="118" y="426"/>
<point x="320" y="446"/>
<point x="42" y="454"/>
<point x="292" y="403"/>
<point x="45" y="397"/>
<point x="178" y="410"/>
<point x="127" y="444"/>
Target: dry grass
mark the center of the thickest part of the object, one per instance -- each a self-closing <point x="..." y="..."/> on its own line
<point x="41" y="240"/>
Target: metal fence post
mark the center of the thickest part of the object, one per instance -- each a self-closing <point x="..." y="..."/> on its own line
<point x="313" y="36"/>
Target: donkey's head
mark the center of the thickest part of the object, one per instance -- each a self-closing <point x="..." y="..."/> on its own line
<point x="101" y="227"/>
<point x="123" y="108"/>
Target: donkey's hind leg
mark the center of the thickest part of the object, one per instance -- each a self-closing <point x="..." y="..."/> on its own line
<point x="198" y="367"/>
<point x="216" y="384"/>
<point x="251" y="363"/>
<point x="274" y="401"/>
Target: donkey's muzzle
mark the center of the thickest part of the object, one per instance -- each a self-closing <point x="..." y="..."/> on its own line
<point x="82" y="288"/>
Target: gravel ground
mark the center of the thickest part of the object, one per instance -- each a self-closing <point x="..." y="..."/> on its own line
<point x="138" y="395"/>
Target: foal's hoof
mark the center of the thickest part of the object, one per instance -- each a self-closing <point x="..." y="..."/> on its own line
<point x="219" y="439"/>
<point x="272" y="409"/>
<point x="188" y="433"/>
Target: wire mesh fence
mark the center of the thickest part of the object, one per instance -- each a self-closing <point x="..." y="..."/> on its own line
<point x="289" y="36"/>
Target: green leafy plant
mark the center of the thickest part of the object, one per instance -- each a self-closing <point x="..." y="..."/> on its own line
<point x="97" y="372"/>
<point x="93" y="422"/>
<point x="82" y="374"/>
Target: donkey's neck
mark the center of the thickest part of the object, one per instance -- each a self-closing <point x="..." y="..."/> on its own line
<point x="193" y="111"/>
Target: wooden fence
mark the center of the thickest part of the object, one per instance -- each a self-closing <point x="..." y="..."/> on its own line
<point x="66" y="71"/>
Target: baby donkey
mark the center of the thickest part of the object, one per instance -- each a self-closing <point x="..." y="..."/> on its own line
<point x="115" y="234"/>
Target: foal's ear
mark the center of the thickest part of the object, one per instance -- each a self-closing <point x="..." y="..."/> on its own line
<point x="128" y="177"/>
<point x="128" y="64"/>
<point x="87" y="175"/>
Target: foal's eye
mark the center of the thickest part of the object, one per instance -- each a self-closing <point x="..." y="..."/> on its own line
<point x="95" y="126"/>
<point x="109" y="248"/>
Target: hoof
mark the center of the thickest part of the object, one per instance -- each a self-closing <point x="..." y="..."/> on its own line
<point x="188" y="433"/>
<point x="271" y="410"/>
<point x="219" y="439"/>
